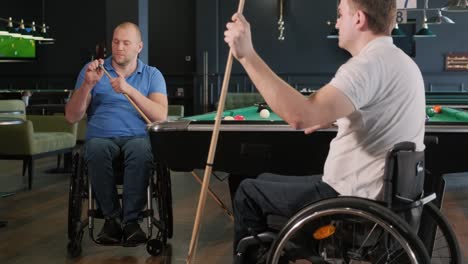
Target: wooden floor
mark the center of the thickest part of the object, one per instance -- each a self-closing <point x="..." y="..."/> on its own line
<point x="37" y="228"/>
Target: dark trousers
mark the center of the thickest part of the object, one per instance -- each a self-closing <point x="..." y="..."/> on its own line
<point x="272" y="194"/>
<point x="100" y="153"/>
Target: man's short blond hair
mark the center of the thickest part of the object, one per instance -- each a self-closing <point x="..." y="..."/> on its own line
<point x="381" y="14"/>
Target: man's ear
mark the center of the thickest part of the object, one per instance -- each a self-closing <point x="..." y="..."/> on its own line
<point x="140" y="46"/>
<point x="361" y="20"/>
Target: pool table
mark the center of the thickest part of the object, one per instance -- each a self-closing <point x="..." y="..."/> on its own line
<point x="251" y="146"/>
<point x="257" y="145"/>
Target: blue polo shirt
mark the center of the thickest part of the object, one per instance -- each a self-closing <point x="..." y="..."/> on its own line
<point x="110" y="114"/>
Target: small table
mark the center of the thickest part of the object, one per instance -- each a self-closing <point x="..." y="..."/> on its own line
<point x="5" y="121"/>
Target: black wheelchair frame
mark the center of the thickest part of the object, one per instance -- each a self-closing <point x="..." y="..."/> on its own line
<point x="399" y="216"/>
<point x="159" y="189"/>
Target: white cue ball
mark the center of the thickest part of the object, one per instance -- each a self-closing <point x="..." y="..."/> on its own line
<point x="228" y="118"/>
<point x="264" y="113"/>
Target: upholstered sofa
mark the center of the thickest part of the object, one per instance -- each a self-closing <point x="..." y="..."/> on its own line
<point x="238" y="100"/>
<point x="35" y="137"/>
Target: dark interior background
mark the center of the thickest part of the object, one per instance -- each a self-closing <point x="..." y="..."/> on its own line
<point x="182" y="32"/>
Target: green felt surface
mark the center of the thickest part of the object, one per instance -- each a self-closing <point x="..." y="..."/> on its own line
<point x="448" y="115"/>
<point x="250" y="113"/>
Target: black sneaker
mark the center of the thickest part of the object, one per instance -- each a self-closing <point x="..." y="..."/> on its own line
<point x="111" y="232"/>
<point x="133" y="235"/>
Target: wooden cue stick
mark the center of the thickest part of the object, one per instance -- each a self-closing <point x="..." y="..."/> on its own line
<point x="128" y="98"/>
<point x="215" y="197"/>
<point x="214" y="140"/>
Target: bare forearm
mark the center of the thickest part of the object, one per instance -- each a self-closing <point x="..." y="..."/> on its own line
<point x="155" y="111"/>
<point x="77" y="105"/>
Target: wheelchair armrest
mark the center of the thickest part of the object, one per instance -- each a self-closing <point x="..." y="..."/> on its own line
<point x="246" y="242"/>
<point x="404" y="146"/>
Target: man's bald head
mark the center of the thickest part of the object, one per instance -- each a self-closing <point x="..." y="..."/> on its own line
<point x="130" y="26"/>
<point x="126" y="44"/>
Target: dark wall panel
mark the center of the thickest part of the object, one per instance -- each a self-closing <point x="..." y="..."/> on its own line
<point x="172" y="36"/>
<point x="22" y="9"/>
<point x="181" y="28"/>
<point x="77" y="26"/>
<point x="118" y="11"/>
<point x="306" y="50"/>
<point x="207" y="35"/>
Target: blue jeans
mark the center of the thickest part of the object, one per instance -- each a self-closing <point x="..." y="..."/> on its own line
<point x="273" y="194"/>
<point x="138" y="159"/>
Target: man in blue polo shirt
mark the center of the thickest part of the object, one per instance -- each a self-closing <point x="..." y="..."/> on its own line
<point x="115" y="128"/>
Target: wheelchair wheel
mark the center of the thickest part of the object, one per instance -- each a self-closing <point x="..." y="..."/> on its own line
<point x="347" y="230"/>
<point x="75" y="207"/>
<point x="446" y="248"/>
<point x="163" y="186"/>
<point x="154" y="247"/>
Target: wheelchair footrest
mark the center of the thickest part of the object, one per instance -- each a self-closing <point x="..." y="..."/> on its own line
<point x="119" y="243"/>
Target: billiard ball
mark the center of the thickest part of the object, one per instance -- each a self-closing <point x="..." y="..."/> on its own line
<point x="239" y="117"/>
<point x="430" y="112"/>
<point x="228" y="118"/>
<point x="261" y="106"/>
<point x="437" y="109"/>
<point x="427" y="118"/>
<point x="265" y="113"/>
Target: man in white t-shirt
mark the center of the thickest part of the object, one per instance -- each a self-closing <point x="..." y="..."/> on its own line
<point x="377" y="99"/>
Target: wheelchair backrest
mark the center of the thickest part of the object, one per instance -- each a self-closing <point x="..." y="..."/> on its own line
<point x="404" y="174"/>
<point x="404" y="182"/>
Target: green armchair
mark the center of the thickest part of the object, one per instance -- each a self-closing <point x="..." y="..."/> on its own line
<point x="35" y="137"/>
<point x="175" y="112"/>
<point x="81" y="130"/>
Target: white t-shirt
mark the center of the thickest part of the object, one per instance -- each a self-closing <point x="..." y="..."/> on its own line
<point x="387" y="90"/>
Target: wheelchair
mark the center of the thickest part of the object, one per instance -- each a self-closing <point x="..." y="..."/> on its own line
<point x="358" y="230"/>
<point x="82" y="211"/>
